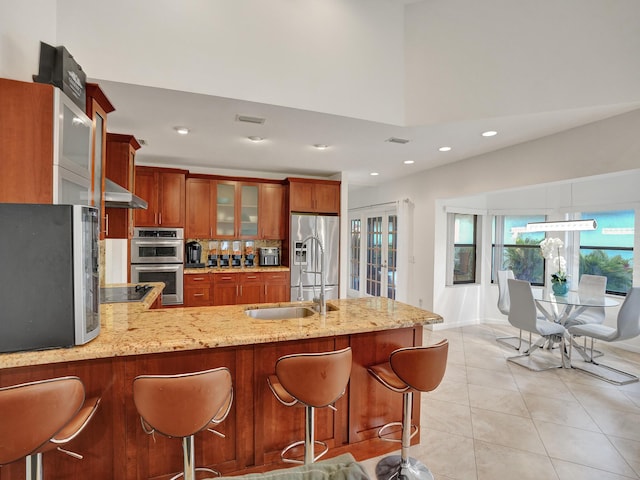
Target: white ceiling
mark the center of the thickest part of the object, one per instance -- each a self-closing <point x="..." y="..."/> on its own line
<point x="218" y="143"/>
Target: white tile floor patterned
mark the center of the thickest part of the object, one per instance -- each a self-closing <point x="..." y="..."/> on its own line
<point x="494" y="420"/>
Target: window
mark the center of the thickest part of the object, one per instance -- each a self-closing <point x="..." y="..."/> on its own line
<point x="608" y="250"/>
<point x="464" y="248"/>
<point x="514" y="249"/>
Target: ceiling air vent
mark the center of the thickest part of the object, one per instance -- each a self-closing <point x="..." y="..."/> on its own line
<point x="248" y="119"/>
<point x="397" y="140"/>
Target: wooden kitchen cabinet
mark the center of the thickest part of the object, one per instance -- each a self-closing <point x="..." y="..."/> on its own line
<point x="98" y="106"/>
<point x="276" y="287"/>
<point x="271" y="221"/>
<point x="198" y="289"/>
<point x="314" y="196"/>
<point x="119" y="168"/>
<point x="200" y="221"/>
<point x="164" y="191"/>
<point x="236" y="210"/>
<point x="225" y="288"/>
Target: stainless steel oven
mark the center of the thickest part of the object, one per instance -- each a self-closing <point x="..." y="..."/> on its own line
<point x="153" y="245"/>
<point x="157" y="255"/>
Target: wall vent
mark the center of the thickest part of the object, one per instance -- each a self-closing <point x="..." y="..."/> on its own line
<point x="248" y="119"/>
<point x="142" y="142"/>
<point x="397" y="140"/>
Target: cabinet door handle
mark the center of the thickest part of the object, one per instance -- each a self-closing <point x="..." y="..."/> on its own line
<point x="252" y="277"/>
<point x="236" y="290"/>
<point x="240" y="290"/>
<point x="155" y="218"/>
<point x="198" y="279"/>
<point x="106" y="223"/>
<point x="160" y="218"/>
<point x="198" y="294"/>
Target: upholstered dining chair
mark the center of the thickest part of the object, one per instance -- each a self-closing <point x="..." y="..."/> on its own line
<point x="523" y="315"/>
<point x="627" y="326"/>
<point x="503" y="305"/>
<point x="590" y="286"/>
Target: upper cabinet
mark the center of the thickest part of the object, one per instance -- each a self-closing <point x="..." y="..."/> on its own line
<point x="236" y="210"/>
<point x="119" y="168"/>
<point x="98" y="106"/>
<point x="200" y="210"/>
<point x="271" y="221"/>
<point x="314" y="196"/>
<point x="164" y="191"/>
<point x="46" y="144"/>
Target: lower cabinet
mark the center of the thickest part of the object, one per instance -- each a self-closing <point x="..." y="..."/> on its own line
<point x="197" y="290"/>
<point x="235" y="288"/>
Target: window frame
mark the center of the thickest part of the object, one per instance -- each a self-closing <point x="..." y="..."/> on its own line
<point x="452" y="245"/>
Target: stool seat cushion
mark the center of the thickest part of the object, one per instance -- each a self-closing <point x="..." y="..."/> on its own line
<point x="385" y="375"/>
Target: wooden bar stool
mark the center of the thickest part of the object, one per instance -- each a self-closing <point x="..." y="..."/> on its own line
<point x="183" y="405"/>
<point x="412" y="369"/>
<point x="42" y="416"/>
<point x="312" y="380"/>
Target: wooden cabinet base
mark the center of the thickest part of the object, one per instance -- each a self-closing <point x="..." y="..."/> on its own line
<point x="257" y="428"/>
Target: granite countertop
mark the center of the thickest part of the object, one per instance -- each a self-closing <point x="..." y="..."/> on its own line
<point x="191" y="271"/>
<point x="133" y="329"/>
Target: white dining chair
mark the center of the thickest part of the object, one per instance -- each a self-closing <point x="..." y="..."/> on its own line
<point x="523" y="315"/>
<point x="627" y="326"/>
<point x="590" y="286"/>
<point x="503" y="305"/>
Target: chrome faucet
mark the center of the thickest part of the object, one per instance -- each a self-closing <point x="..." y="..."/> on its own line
<point x="319" y="300"/>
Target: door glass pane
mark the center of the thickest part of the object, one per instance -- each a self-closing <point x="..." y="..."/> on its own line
<point x="392" y="251"/>
<point x="374" y="256"/>
<point x="249" y="211"/>
<point x="225" y="210"/>
<point x="354" y="257"/>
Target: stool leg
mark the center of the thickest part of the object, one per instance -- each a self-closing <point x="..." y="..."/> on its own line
<point x="309" y="435"/>
<point x="188" y="455"/>
<point x="403" y="467"/>
<point x="34" y="467"/>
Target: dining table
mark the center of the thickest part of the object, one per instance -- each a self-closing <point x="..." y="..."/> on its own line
<point x="564" y="309"/>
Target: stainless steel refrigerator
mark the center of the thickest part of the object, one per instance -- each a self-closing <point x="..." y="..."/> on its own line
<point x="305" y="257"/>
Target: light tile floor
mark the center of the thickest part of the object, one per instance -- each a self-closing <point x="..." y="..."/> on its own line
<point x="492" y="420"/>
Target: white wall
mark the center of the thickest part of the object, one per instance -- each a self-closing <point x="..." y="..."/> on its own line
<point x="560" y="55"/>
<point x="335" y="56"/>
<point x="611" y="145"/>
<point x="23" y="25"/>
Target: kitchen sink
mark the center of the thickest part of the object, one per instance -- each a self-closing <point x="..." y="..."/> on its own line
<point x="279" y="313"/>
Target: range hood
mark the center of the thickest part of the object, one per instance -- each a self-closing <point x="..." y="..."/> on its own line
<point x="116" y="196"/>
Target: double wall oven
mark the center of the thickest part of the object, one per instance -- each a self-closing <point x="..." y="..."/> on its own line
<point x="157" y="255"/>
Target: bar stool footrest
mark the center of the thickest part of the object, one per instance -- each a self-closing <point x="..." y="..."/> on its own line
<point x="392" y="467"/>
<point x="383" y="435"/>
<point x="199" y="469"/>
<point x="287" y="449"/>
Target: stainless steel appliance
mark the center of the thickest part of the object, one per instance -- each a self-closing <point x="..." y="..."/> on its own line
<point x="194" y="252"/>
<point x="269" y="257"/>
<point x="49" y="280"/>
<point x="305" y="256"/>
<point x="124" y="294"/>
<point x="157" y="255"/>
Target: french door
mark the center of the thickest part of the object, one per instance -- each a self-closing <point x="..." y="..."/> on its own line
<point x="373" y="254"/>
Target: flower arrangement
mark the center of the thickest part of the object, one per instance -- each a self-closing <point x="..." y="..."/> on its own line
<point x="549" y="247"/>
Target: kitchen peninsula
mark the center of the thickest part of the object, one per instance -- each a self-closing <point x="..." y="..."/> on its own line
<point x="136" y="340"/>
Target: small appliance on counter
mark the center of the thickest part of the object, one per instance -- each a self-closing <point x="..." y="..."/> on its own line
<point x="236" y="257"/>
<point x="193" y="253"/>
<point x="270" y="257"/>
<point x="212" y="257"/>
<point x="225" y="254"/>
<point x="249" y="254"/>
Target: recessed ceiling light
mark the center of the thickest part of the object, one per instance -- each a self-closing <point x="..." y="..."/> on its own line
<point x="409" y="162"/>
<point x="374" y="174"/>
<point x="489" y="133"/>
<point x="321" y="146"/>
<point x="255" y="139"/>
<point x="444" y="149"/>
<point x="181" y="130"/>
